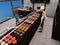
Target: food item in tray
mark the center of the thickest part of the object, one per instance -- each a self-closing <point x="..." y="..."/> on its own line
<point x="10" y="36"/>
<point x="13" y="38"/>
<point x="9" y="39"/>
<point x="15" y="32"/>
<point x="31" y="19"/>
<point x="24" y="26"/>
<point x="14" y="42"/>
<point x="19" y="32"/>
<point x="23" y="32"/>
<point x="37" y="15"/>
<point x="9" y="42"/>
<point x="6" y="39"/>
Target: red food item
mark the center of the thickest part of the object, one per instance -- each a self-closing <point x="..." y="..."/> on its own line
<point x="10" y="36"/>
<point x="13" y="38"/>
<point x="14" y="41"/>
<point x="6" y="39"/>
<point x="9" y="42"/>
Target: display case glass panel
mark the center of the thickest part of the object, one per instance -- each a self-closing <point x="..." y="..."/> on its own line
<point x="16" y="3"/>
<point x="5" y="11"/>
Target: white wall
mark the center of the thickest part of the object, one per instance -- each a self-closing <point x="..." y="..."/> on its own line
<point x="50" y="8"/>
<point x="27" y="3"/>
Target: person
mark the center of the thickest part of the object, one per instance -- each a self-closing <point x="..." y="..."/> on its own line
<point x="16" y="16"/>
<point x="43" y="17"/>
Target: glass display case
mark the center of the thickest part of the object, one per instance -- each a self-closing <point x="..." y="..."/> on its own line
<point x="5" y="11"/>
<point x="16" y="3"/>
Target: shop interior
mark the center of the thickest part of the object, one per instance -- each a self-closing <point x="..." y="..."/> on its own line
<point x="20" y="22"/>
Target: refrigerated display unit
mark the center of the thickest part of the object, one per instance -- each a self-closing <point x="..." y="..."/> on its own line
<point x="56" y="24"/>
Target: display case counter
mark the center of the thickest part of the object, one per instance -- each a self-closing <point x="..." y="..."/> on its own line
<point x="23" y="34"/>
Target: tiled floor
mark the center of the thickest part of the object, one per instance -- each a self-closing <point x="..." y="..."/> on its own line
<point x="44" y="38"/>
